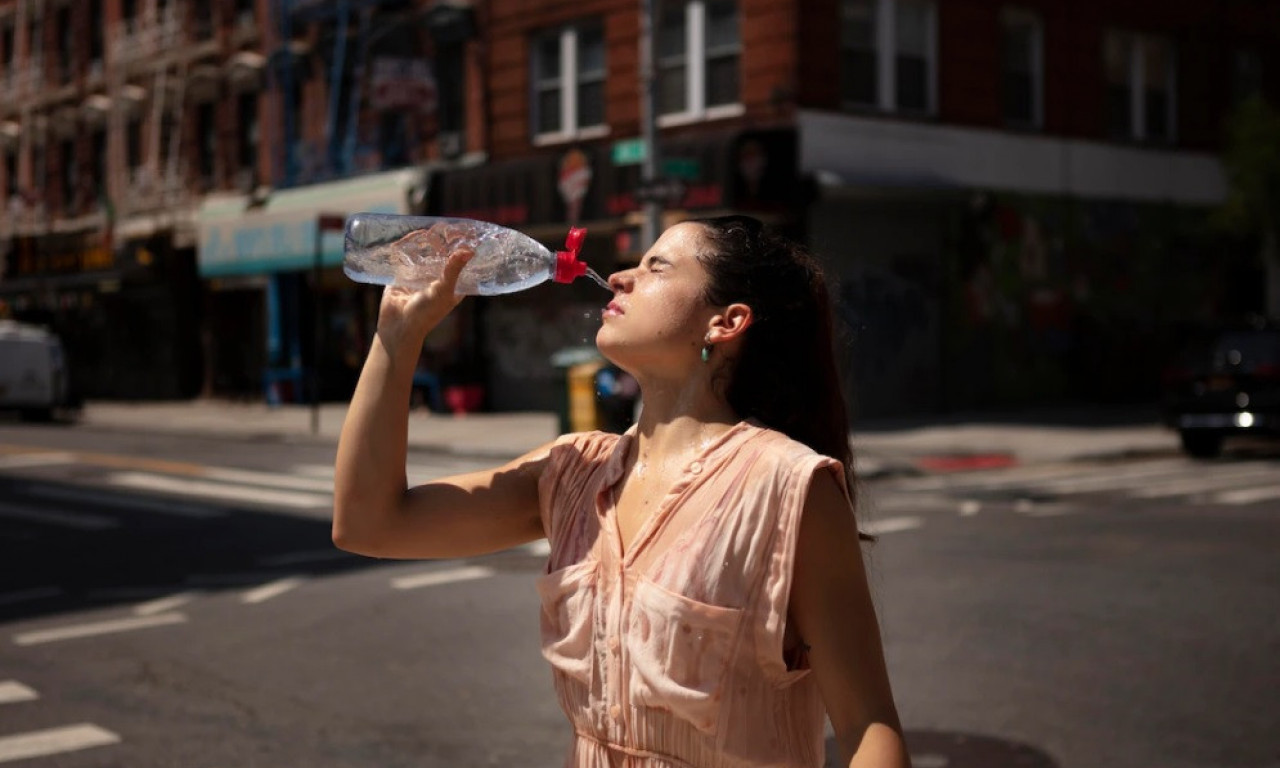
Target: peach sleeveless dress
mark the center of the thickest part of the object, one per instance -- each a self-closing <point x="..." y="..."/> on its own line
<point x="671" y="655"/>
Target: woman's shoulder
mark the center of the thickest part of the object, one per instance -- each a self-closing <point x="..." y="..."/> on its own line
<point x="588" y="447"/>
<point x="778" y="446"/>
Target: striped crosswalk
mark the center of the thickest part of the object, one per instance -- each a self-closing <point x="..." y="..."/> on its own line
<point x="1160" y="479"/>
<point x="45" y="742"/>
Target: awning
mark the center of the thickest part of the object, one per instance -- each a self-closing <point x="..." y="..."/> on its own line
<point x="280" y="235"/>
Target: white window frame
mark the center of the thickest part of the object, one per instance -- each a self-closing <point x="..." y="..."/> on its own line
<point x="695" y="71"/>
<point x="1019" y="16"/>
<point x="1136" y="46"/>
<point x="885" y="45"/>
<point x="569" y="79"/>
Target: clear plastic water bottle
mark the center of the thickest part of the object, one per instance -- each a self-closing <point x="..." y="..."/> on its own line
<point x="411" y="251"/>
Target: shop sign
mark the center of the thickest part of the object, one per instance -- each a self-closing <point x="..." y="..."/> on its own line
<point x="32" y="261"/>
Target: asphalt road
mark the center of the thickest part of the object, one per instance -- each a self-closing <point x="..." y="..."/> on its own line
<point x="175" y="601"/>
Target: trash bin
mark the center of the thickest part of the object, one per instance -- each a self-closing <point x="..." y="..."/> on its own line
<point x="578" y="409"/>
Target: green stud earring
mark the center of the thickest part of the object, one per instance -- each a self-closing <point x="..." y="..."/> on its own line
<point x="706" y="354"/>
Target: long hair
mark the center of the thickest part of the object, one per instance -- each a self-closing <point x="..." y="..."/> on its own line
<point x="785" y="375"/>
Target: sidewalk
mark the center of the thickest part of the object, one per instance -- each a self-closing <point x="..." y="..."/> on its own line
<point x="919" y="445"/>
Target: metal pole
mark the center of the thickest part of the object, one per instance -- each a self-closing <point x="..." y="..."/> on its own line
<point x="317" y="329"/>
<point x="648" y="123"/>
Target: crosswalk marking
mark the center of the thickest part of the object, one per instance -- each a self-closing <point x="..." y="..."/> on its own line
<point x="436" y="578"/>
<point x="212" y="489"/>
<point x="76" y="520"/>
<point x="1235" y="476"/>
<point x="54" y="741"/>
<point x="160" y="605"/>
<point x="12" y="692"/>
<point x="273" y="589"/>
<point x="1246" y="495"/>
<point x="77" y="631"/>
<point x="269" y="479"/>
<point x="891" y="525"/>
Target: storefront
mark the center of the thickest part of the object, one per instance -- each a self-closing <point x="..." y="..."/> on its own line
<point x="594" y="187"/>
<point x="126" y="311"/>
<point x="979" y="269"/>
<point x="276" y="299"/>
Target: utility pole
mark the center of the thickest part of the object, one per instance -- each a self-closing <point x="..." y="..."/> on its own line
<point x="648" y="123"/>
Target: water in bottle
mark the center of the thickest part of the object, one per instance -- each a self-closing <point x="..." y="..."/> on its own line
<point x="411" y="251"/>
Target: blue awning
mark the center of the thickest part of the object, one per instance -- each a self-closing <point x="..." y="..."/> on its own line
<point x="280" y="235"/>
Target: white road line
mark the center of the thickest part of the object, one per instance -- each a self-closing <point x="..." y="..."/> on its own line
<point x="39" y="459"/>
<point x="1113" y="478"/>
<point x="152" y="607"/>
<point x="12" y="692"/>
<point x="436" y="578"/>
<point x="97" y="628"/>
<point x="54" y="741"/>
<point x="268" y="479"/>
<point x="310" y="556"/>
<point x="988" y="479"/>
<point x="891" y="525"/>
<point x="273" y="589"/>
<point x="78" y="521"/>
<point x="99" y="499"/>
<point x="1237" y="475"/>
<point x="1246" y="495"/>
<point x="209" y="489"/>
<point x="970" y="507"/>
<point x="24" y="595"/>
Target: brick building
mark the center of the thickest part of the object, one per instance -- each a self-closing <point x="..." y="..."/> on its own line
<point x="1013" y="197"/>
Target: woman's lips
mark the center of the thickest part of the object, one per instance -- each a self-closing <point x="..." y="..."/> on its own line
<point x="612" y="310"/>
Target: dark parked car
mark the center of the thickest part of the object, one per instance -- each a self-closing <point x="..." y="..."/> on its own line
<point x="1227" y="384"/>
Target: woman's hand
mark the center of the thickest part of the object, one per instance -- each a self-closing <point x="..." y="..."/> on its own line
<point x="406" y="315"/>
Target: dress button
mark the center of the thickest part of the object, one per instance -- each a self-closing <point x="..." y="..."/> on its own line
<point x="614" y="644"/>
<point x="695" y="467"/>
<point x="615" y="711"/>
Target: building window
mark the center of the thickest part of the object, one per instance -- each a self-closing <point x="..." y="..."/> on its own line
<point x="698" y="52"/>
<point x="1141" y="84"/>
<point x="889" y="55"/>
<point x="206" y="130"/>
<point x="1022" y="36"/>
<point x="10" y="173"/>
<point x="67" y="44"/>
<point x="247" y="127"/>
<point x="95" y="35"/>
<point x="99" y="147"/>
<point x="568" y="81"/>
<point x="69" y="176"/>
<point x="7" y="42"/>
<point x="133" y="144"/>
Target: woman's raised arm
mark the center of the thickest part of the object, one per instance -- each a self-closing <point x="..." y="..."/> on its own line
<point x="374" y="511"/>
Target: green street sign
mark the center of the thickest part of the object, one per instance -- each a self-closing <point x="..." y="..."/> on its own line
<point x="629" y="152"/>
<point x="682" y="168"/>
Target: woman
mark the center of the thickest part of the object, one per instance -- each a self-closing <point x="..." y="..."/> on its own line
<point x="705" y="602"/>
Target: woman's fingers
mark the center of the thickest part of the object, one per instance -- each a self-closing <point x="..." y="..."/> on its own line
<point x="452" y="268"/>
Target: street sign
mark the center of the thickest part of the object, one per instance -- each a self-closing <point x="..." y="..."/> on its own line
<point x="661" y="190"/>
<point x="685" y="168"/>
<point x="629" y="152"/>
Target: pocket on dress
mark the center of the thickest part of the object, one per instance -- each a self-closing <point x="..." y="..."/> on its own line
<point x="680" y="651"/>
<point x="568" y="618"/>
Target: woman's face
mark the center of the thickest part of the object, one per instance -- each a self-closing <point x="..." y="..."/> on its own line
<point x="658" y="316"/>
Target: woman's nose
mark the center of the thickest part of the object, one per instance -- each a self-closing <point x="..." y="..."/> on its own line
<point x="620" y="281"/>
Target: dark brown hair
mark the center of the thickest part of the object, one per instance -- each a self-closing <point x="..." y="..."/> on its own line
<point x="785" y="375"/>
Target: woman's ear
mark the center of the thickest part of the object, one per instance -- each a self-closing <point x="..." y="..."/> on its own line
<point x="730" y="324"/>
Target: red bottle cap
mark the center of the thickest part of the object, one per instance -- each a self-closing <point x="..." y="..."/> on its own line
<point x="568" y="268"/>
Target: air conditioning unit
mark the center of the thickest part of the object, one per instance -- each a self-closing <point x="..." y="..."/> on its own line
<point x="450" y="143"/>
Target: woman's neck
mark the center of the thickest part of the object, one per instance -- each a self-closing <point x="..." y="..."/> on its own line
<point x="678" y="419"/>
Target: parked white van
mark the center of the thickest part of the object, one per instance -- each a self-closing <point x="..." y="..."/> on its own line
<point x="33" y="370"/>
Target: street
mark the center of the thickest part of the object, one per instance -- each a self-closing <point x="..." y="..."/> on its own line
<point x="171" y="600"/>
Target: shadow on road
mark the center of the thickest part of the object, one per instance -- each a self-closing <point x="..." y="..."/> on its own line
<point x="118" y="547"/>
<point x="944" y="749"/>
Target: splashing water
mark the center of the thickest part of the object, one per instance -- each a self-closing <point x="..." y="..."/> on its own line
<point x="600" y="281"/>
